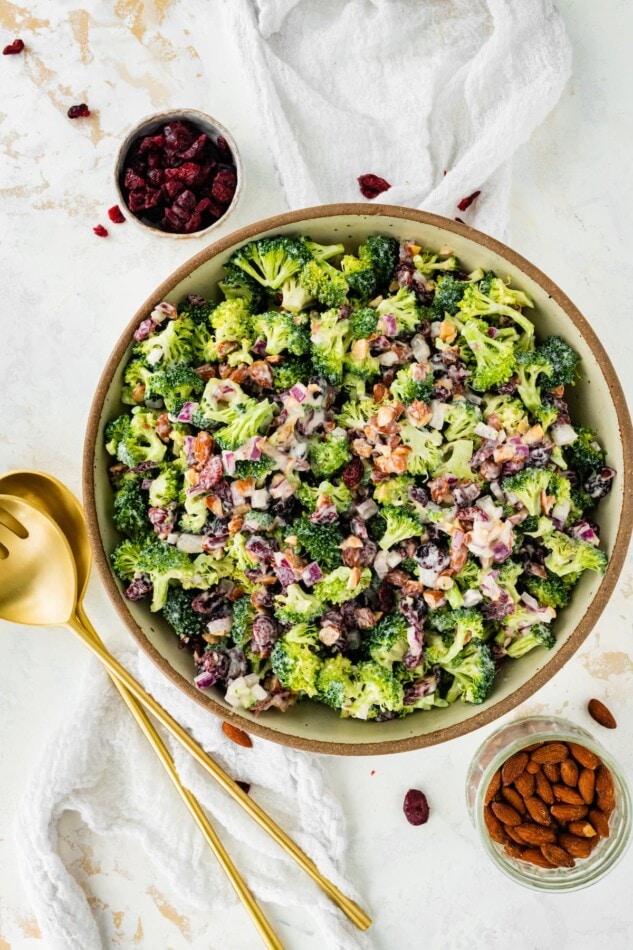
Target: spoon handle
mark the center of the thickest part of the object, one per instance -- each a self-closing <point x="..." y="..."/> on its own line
<point x="263" y="926"/>
<point x="348" y="906"/>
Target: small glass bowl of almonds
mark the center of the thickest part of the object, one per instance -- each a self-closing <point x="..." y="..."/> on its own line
<point x="551" y="806"/>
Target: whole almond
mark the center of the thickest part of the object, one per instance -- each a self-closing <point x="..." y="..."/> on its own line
<point x="513" y="849"/>
<point x="569" y="772"/>
<point x="557" y="856"/>
<point x="552" y="771"/>
<point x="531" y="748"/>
<point x="586" y="785"/>
<point x="513" y="798"/>
<point x="562" y="793"/>
<point x="513" y="767"/>
<point x="536" y="856"/>
<point x="532" y="767"/>
<point x="538" y="811"/>
<point x="494" y="826"/>
<point x="506" y="814"/>
<point x="514" y="834"/>
<point x="524" y="784"/>
<point x="605" y="791"/>
<point x="493" y="788"/>
<point x="565" y="813"/>
<point x="600" y="822"/>
<point x="550" y="753"/>
<point x="237" y="735"/>
<point x="584" y="756"/>
<point x="536" y="834"/>
<point x="602" y="715"/>
<point x="582" y="829"/>
<point x="577" y="847"/>
<point x="544" y="788"/>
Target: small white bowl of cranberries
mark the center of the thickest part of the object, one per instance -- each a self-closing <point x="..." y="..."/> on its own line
<point x="178" y="174"/>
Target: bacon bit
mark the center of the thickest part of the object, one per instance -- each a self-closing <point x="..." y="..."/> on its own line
<point x="504" y="452"/>
<point x="163" y="427"/>
<point x="274" y="359"/>
<point x="239" y="374"/>
<point x="523" y="425"/>
<point x="354" y="578"/>
<point x="351" y="542"/>
<point x="361" y="448"/>
<point x="419" y="413"/>
<point x="372" y="185"/>
<point x="384" y="418"/>
<point x="292" y="540"/>
<point x="206" y="372"/>
<point x="534" y="434"/>
<point x="459" y="556"/>
<point x="202" y="448"/>
<point x="558" y="391"/>
<point x="434" y="598"/>
<point x="371" y="433"/>
<point x="380" y="392"/>
<point x="235" y="524"/>
<point x="261" y="373"/>
<point x="547" y="502"/>
<point x="267" y="580"/>
<point x="465" y="203"/>
<point x="440" y="489"/>
<point x="191" y="476"/>
<point x="448" y="331"/>
<point x="214" y="504"/>
<point x="329" y="634"/>
<point x="245" y="486"/>
<point x="413" y="588"/>
<point x="360" y="349"/>
<point x="138" y="392"/>
<point x="235" y="593"/>
<point x="366" y="618"/>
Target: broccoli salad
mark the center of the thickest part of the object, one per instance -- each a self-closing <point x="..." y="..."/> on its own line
<point x="354" y="478"/>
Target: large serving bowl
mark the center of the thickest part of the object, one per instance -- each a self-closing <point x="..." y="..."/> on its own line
<point x="596" y="401"/>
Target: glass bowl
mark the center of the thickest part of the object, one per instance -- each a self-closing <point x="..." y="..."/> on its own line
<point x="493" y="753"/>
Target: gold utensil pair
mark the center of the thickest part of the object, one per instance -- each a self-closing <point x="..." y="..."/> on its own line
<point x="44" y="567"/>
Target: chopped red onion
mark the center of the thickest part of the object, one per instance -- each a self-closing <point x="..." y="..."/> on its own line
<point x="228" y="460"/>
<point x="563" y="434"/>
<point x="438" y="410"/>
<point x="367" y="509"/>
<point x="389" y="324"/>
<point x="145" y="484"/>
<point x="190" y="543"/>
<point x="219" y="627"/>
<point x="312" y="574"/>
<point x="205" y="679"/>
<point x="388" y="359"/>
<point x="497" y="490"/>
<point x="472" y="597"/>
<point x="186" y="412"/>
<point x="299" y="392"/>
<point x="486" y="432"/>
<point x="530" y="602"/>
<point x="260" y="499"/>
<point x="501" y="552"/>
<point x="421" y="349"/>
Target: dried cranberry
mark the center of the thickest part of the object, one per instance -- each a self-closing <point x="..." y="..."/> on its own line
<point x="151" y="142"/>
<point x="224" y="185"/>
<point x="264" y="633"/>
<point x="132" y="181"/>
<point x="14" y="48"/>
<point x="100" y="231"/>
<point x="151" y="197"/>
<point x="353" y="473"/>
<point x="140" y="587"/>
<point x="116" y="215"/>
<point x="173" y="187"/>
<point x="194" y="223"/>
<point x="465" y="203"/>
<point x="79" y="112"/>
<point x="372" y="185"/>
<point x="156" y="176"/>
<point x="136" y="200"/>
<point x="186" y="200"/>
<point x="194" y="149"/>
<point x="178" y="135"/>
<point x="416" y="807"/>
<point x="223" y="147"/>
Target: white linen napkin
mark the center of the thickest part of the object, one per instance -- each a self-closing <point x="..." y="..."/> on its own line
<point x="405" y="90"/>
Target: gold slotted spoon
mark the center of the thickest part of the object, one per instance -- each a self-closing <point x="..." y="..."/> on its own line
<point x="38" y="586"/>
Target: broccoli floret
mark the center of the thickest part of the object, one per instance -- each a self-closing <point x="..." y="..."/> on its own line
<point x="335" y="587"/>
<point x="581" y="502"/>
<point x="387" y="641"/>
<point x="510" y="412"/>
<point x="455" y="460"/>
<point x="380" y="253"/>
<point x="323" y="252"/>
<point x="293" y="370"/>
<point x="470" y="575"/>
<point x="254" y="468"/>
<point x="140" y="442"/>
<point x="115" y="431"/>
<point x="509" y="574"/>
<point x="585" y="455"/>
<point x="462" y="418"/>
<point x="356" y="415"/>
<point x="237" y="285"/>
<point x="272" y="260"/>
<point x="196" y="512"/>
<point x="178" y="612"/>
<point x="174" y="344"/>
<point x="231" y="321"/>
<point x="335" y="683"/>
<point x="407" y="388"/>
<point x="473" y="673"/>
<point x="572" y="556"/>
<point x="130" y="508"/>
<point x="550" y="591"/>
<point x="254" y="418"/>
<point x="296" y="666"/>
<point x="138" y="382"/>
<point x="164" y="562"/>
<point x="455" y="629"/>
<point x="538" y="635"/>
<point x="242" y="624"/>
<point x="124" y="558"/>
<point x="425" y="455"/>
<point x="324" y="283"/>
<point x="404" y="307"/>
<point x="359" y="362"/>
<point x="427" y="262"/>
<point x="328" y="455"/>
<point x="563" y="360"/>
<point x="330" y="338"/>
<point x="362" y="323"/>
<point x="394" y="491"/>
<point x="377" y="691"/>
<point x="322" y="542"/>
<point x="528" y="486"/>
<point x="499" y="301"/>
<point x="532" y="369"/>
<point x="361" y="279"/>
<point x="165" y="487"/>
<point x="295" y="606"/>
<point x="237" y="552"/>
<point x="400" y="525"/>
<point x="339" y="495"/>
<point x="282" y="332"/>
<point x="495" y="358"/>
<point x="448" y="292"/>
<point x="176" y="384"/>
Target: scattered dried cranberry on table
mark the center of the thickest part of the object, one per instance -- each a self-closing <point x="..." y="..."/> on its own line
<point x="178" y="179"/>
<point x="80" y="111"/>
<point x="465" y="203"/>
<point x="116" y="215"/>
<point x="100" y="231"/>
<point x="416" y="807"/>
<point x="372" y="185"/>
<point x="13" y="48"/>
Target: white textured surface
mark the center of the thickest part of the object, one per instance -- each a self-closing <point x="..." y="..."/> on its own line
<point x="571" y="208"/>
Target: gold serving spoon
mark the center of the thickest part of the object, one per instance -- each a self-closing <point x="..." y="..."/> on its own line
<point x="61" y="506"/>
<point x="57" y="496"/>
